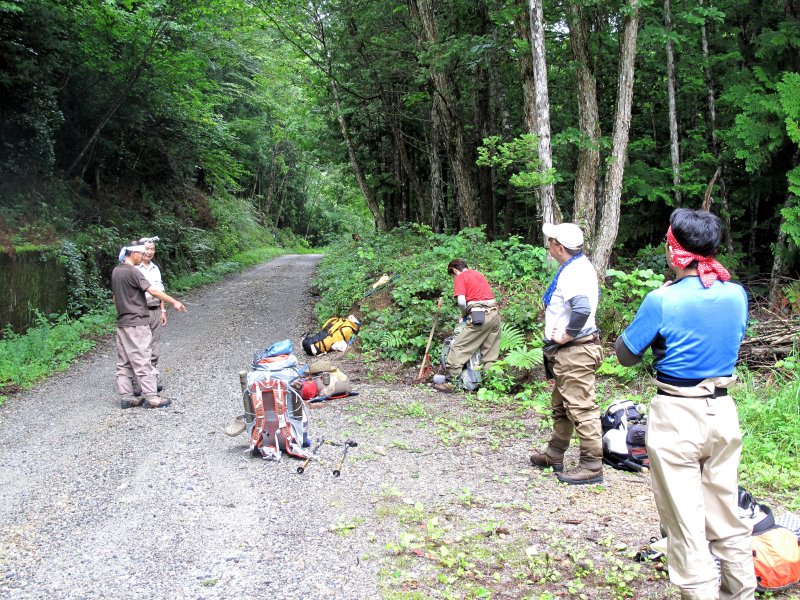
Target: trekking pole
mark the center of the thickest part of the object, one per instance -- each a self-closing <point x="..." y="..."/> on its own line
<point x="301" y="469"/>
<point x="427" y="359"/>
<point x="338" y="470"/>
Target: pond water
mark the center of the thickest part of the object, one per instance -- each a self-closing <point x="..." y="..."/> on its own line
<point x="31" y="281"/>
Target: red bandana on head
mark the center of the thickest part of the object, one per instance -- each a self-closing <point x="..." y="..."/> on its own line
<point x="708" y="267"/>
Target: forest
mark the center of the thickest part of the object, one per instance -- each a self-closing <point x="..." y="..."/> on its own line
<point x="206" y="122"/>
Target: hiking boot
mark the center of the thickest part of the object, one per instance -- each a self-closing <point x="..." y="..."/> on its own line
<point x="445" y="388"/>
<point x="236" y="427"/>
<point x="581" y="476"/>
<point x="130" y="401"/>
<point x="157" y="402"/>
<point x="544" y="460"/>
<point x="137" y="389"/>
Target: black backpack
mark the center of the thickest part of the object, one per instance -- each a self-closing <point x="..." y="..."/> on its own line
<point x="624" y="431"/>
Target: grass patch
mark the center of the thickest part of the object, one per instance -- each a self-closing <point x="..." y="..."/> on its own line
<point x="48" y="347"/>
<point x="769" y="414"/>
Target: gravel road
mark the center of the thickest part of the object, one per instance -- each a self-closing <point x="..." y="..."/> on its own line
<point x="99" y="502"/>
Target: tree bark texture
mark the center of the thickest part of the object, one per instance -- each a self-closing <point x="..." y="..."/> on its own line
<point x="712" y="124"/>
<point x="437" y="192"/>
<point x="380" y="222"/>
<point x="546" y="192"/>
<point x="451" y="117"/>
<point x="587" y="170"/>
<point x="609" y="224"/>
<point x="673" y="111"/>
<point x="522" y="26"/>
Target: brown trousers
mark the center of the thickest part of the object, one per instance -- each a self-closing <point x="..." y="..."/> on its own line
<point x="573" y="402"/>
<point x="133" y="359"/>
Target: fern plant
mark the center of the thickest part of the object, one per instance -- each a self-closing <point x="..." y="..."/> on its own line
<point x="511" y="337"/>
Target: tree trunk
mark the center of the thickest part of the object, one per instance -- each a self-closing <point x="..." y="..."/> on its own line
<point x="712" y="123"/>
<point x="522" y="25"/>
<point x="400" y="145"/>
<point x="673" y="114"/>
<point x="437" y="193"/>
<point x="587" y="171"/>
<point x="779" y="262"/>
<point x="380" y="223"/>
<point x="546" y="192"/>
<point x="609" y="224"/>
<point x="452" y="120"/>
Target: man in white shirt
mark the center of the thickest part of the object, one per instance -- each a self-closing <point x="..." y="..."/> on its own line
<point x="572" y="355"/>
<point x="158" y="313"/>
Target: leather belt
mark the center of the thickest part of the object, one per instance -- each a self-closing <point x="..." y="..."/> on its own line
<point x="153" y="307"/>
<point x="718" y="392"/>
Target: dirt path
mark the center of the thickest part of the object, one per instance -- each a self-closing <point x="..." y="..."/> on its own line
<point x="436" y="501"/>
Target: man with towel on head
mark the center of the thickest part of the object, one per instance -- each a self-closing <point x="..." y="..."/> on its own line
<point x="129" y="286"/>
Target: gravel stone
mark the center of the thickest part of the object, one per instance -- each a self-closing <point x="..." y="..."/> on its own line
<point x="100" y="502"/>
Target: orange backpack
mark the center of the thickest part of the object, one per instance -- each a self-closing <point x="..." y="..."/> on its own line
<point x="776" y="558"/>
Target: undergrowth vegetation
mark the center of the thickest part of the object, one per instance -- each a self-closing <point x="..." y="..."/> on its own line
<point x="409" y="267"/>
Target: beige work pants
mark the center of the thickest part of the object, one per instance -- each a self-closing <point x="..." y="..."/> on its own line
<point x="155" y="336"/>
<point x="694" y="446"/>
<point x="485" y="338"/>
<point x="133" y="358"/>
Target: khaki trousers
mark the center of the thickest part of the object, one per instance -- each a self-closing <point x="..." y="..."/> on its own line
<point x="574" y="405"/>
<point x="133" y="359"/>
<point x="694" y="446"/>
<point x="155" y="336"/>
<point x="485" y="338"/>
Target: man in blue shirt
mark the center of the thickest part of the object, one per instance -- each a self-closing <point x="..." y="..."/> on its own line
<point x="695" y="325"/>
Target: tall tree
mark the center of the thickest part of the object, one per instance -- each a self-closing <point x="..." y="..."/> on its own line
<point x="450" y="113"/>
<point x="609" y="224"/>
<point x="674" y="142"/>
<point x="588" y="166"/>
<point x="546" y="192"/>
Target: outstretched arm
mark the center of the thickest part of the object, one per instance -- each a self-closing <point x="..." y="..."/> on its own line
<point x="166" y="298"/>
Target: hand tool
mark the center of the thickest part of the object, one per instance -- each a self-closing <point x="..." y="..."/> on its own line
<point x="426" y="360"/>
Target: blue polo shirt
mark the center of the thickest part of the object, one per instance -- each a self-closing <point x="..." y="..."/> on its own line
<point x="695" y="332"/>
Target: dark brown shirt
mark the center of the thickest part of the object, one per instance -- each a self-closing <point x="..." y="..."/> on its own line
<point x="128" y="285"/>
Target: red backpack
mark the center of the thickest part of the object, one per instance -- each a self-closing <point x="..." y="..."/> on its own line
<point x="279" y="420"/>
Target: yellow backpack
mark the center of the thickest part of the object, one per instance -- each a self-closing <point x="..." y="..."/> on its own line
<point x="335" y="329"/>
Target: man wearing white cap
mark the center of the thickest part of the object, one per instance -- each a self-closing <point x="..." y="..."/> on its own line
<point x="572" y="355"/>
<point x="133" y="329"/>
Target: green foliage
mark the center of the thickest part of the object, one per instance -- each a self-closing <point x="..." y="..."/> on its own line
<point x="400" y="315"/>
<point x="48" y="347"/>
<point x="769" y="413"/>
<point x="520" y="155"/>
<point x="622" y="296"/>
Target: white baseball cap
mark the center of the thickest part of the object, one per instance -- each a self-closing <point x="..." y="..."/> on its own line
<point x="568" y="235"/>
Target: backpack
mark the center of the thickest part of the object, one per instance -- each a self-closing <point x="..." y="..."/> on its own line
<point x="757" y="516"/>
<point x="470" y="378"/>
<point x="624" y="432"/>
<point x="776" y="559"/>
<point x="277" y="419"/>
<point x="334" y="330"/>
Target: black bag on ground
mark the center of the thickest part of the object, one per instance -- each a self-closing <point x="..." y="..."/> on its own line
<point x="624" y="432"/>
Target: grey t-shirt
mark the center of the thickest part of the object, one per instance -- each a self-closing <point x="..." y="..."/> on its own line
<point x="128" y="285"/>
